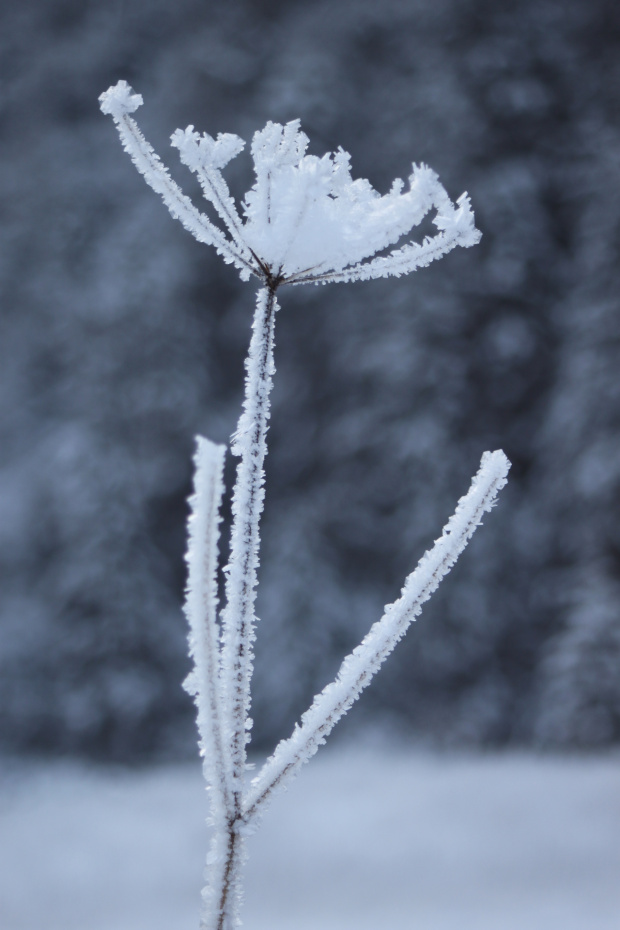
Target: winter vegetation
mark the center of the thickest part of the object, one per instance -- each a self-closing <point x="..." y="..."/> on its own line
<point x="305" y="221"/>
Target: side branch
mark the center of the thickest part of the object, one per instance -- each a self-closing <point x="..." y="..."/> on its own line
<point x="201" y="603"/>
<point x="118" y="102"/>
<point x="360" y="666"/>
<point x="198" y="154"/>
<point x="456" y="227"/>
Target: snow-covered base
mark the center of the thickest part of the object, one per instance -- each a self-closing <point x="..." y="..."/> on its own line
<point x="366" y="838"/>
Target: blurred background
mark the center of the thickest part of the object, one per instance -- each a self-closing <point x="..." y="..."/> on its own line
<point x="121" y="338"/>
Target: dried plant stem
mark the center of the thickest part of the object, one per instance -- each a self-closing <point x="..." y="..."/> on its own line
<point x="232" y="811"/>
<point x="305" y="220"/>
<point x="224" y="894"/>
<point x="358" y="669"/>
<point x="238" y="617"/>
<point x="228" y="895"/>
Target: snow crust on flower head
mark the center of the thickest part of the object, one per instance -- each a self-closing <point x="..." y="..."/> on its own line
<point x="305" y="220"/>
<point x="203" y="151"/>
<point x="306" y="212"/>
<point x="119" y="100"/>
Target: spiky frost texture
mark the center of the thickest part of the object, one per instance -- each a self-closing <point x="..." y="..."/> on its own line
<point x="249" y="442"/>
<point x="456" y="226"/>
<point x="201" y="603"/>
<point x="305" y="220"/>
<point x="359" y="667"/>
<point x="206" y="157"/>
<point x="204" y="682"/>
<point x="221" y="679"/>
<point x="118" y="102"/>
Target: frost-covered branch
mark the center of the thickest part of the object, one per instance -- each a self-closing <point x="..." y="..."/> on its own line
<point x="206" y="157"/>
<point x="220" y="896"/>
<point x="118" y="102"/>
<point x="305" y="220"/>
<point x="249" y="442"/>
<point x="456" y="227"/>
<point x="229" y="691"/>
<point x="204" y="681"/>
<point x="359" y="667"/>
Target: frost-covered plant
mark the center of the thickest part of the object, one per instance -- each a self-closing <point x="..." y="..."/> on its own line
<point x="305" y="220"/>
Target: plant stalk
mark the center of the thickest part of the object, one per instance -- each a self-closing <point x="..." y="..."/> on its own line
<point x="238" y="619"/>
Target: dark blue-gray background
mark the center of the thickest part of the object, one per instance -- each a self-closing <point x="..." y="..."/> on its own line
<point x="121" y="338"/>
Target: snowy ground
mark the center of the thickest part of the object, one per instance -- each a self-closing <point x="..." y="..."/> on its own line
<point x="364" y="839"/>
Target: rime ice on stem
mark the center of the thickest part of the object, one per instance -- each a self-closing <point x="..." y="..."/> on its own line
<point x="204" y="682"/>
<point x="250" y="444"/>
<point x="358" y="668"/>
<point x="305" y="220"/>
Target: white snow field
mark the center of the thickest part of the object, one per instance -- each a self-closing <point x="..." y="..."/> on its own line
<point x="365" y="838"/>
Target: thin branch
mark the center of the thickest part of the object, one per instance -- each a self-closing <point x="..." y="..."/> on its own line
<point x="198" y="153"/>
<point x="456" y="227"/>
<point x="401" y="261"/>
<point x="204" y="682"/>
<point x="238" y="617"/>
<point x="115" y="103"/>
<point x="216" y="190"/>
<point x="360" y="666"/>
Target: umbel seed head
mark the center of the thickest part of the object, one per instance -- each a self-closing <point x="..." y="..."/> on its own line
<point x="305" y="219"/>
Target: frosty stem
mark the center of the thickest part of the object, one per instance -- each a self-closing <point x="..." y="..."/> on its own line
<point x="358" y="669"/>
<point x="204" y="682"/>
<point x="249" y="442"/>
<point x="232" y="812"/>
<point x="306" y="220"/>
<point x="231" y="820"/>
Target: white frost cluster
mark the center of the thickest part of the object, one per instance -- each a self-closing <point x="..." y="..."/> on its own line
<point x="305" y="219"/>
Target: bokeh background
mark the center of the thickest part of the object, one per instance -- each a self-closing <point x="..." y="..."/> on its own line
<point x="121" y="338"/>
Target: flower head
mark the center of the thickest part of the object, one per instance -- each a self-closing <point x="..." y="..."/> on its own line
<point x="305" y="219"/>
